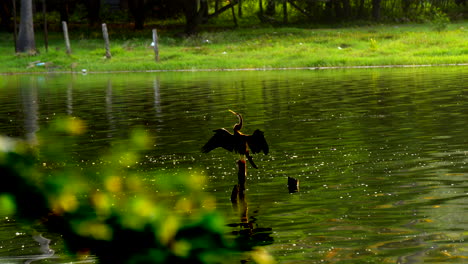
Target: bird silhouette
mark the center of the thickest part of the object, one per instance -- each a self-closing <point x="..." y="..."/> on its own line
<point x="238" y="142"/>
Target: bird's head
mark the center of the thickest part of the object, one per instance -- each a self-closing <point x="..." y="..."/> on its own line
<point x="237" y="126"/>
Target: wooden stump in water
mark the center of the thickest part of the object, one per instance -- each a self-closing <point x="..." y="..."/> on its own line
<point x="293" y="185"/>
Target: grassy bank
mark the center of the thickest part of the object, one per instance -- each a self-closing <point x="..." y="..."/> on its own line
<point x="248" y="48"/>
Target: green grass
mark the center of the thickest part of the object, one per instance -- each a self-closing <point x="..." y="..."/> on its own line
<point x="250" y="48"/>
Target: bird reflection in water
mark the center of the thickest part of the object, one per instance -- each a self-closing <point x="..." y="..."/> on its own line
<point x="249" y="234"/>
<point x="46" y="251"/>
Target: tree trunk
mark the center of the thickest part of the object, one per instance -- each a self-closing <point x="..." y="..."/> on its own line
<point x="94" y="7"/>
<point x="194" y="16"/>
<point x="234" y="19"/>
<point x="304" y="12"/>
<point x="26" y="42"/>
<point x="15" y="28"/>
<point x="204" y="8"/>
<point x="137" y="7"/>
<point x="46" y="34"/>
<point x="376" y="9"/>
<point x="338" y="9"/>
<point x="270" y="8"/>
<point x="346" y="9"/>
<point x="5" y="16"/>
<point x="191" y="14"/>
<point x="239" y="9"/>
<point x="328" y="12"/>
<point x="285" y="12"/>
<point x="64" y="10"/>
<point x="360" y="13"/>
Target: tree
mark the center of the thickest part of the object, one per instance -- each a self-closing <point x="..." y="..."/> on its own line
<point x="137" y="8"/>
<point x="5" y="16"/>
<point x="64" y="9"/>
<point x="360" y="13"/>
<point x="26" y="42"/>
<point x="346" y="9"/>
<point x="193" y="16"/>
<point x="270" y="8"/>
<point x="376" y="9"/>
<point x="93" y="7"/>
<point x="196" y="14"/>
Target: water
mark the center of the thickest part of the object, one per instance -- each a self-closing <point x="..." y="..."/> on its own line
<point x="381" y="154"/>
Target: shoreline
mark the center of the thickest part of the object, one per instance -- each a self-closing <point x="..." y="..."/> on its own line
<point x="243" y="69"/>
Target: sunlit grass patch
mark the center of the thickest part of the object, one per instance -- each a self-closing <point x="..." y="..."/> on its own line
<point x="252" y="48"/>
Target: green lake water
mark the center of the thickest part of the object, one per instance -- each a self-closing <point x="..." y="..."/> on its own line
<point x="381" y="154"/>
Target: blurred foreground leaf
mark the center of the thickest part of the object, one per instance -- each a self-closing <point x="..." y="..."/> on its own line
<point x="105" y="208"/>
<point x="7" y="204"/>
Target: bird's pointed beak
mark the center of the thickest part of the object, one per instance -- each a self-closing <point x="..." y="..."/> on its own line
<point x="232" y="112"/>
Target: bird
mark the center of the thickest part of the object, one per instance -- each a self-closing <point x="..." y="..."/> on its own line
<point x="238" y="141"/>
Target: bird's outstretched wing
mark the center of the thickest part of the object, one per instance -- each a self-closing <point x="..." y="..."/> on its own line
<point x="257" y="142"/>
<point x="222" y="138"/>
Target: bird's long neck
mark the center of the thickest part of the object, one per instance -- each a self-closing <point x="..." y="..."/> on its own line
<point x="238" y="126"/>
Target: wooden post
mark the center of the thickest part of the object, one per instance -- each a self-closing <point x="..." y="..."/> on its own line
<point x="106" y="40"/>
<point x="46" y="35"/>
<point x="156" y="45"/>
<point x="65" y="34"/>
<point x="15" y="28"/>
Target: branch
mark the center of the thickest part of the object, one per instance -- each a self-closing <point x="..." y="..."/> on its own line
<point x="300" y="9"/>
<point x="224" y="8"/>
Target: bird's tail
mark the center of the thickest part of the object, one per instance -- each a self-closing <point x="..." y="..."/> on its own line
<point x="251" y="160"/>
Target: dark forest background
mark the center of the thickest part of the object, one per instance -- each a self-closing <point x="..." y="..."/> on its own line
<point x="192" y="13"/>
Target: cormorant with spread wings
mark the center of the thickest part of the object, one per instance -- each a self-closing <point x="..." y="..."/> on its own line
<point x="238" y="142"/>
